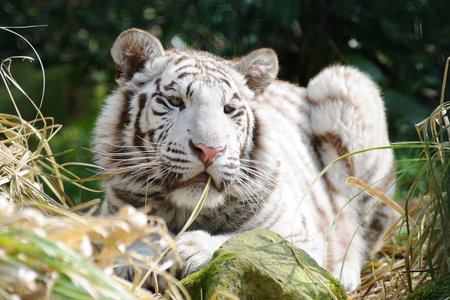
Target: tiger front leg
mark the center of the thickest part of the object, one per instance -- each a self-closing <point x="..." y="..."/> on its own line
<point x="148" y="254"/>
<point x="196" y="249"/>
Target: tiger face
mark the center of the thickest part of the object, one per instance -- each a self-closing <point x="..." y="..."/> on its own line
<point x="182" y="116"/>
<point x="198" y="128"/>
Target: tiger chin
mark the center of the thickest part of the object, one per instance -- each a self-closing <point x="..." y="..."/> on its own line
<point x="180" y="116"/>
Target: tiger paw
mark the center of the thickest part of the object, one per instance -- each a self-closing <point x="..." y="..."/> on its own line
<point x="196" y="249"/>
<point x="129" y="273"/>
<point x="351" y="278"/>
<point x="143" y="254"/>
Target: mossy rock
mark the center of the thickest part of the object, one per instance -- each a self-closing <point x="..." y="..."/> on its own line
<point x="260" y="264"/>
<point x="435" y="290"/>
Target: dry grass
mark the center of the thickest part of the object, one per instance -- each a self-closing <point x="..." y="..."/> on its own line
<point x="420" y="242"/>
<point x="49" y="249"/>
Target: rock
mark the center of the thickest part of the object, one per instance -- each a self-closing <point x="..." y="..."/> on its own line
<point x="260" y="264"/>
<point x="434" y="290"/>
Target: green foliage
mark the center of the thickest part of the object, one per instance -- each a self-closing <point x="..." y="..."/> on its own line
<point x="428" y="203"/>
<point x="402" y="45"/>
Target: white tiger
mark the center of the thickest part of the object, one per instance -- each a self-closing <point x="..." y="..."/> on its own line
<point x="179" y="117"/>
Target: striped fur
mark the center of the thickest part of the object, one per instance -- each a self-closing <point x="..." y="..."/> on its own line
<point x="274" y="139"/>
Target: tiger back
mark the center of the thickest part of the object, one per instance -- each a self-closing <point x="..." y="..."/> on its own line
<point x="181" y="116"/>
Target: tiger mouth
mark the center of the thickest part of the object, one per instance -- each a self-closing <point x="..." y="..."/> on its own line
<point x="200" y="178"/>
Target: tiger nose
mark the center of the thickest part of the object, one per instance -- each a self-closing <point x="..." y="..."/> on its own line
<point x="206" y="154"/>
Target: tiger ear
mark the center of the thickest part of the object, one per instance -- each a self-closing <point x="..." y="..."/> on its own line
<point x="260" y="68"/>
<point x="132" y="49"/>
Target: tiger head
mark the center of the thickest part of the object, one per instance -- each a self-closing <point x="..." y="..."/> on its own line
<point x="179" y="117"/>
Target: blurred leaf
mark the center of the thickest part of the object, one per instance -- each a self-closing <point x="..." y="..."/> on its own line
<point x="368" y="67"/>
<point x="401" y="104"/>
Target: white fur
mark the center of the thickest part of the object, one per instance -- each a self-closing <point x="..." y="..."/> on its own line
<point x="299" y="132"/>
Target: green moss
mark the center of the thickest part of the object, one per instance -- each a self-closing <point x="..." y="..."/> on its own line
<point x="260" y="265"/>
<point x="196" y="282"/>
<point x="435" y="290"/>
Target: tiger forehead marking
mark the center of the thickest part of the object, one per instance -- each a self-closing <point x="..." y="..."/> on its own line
<point x="202" y="67"/>
<point x="179" y="117"/>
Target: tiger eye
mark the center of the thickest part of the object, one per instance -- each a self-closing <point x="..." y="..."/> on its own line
<point x="176" y="101"/>
<point x="228" y="109"/>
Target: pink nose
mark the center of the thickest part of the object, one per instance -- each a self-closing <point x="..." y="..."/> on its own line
<point x="206" y="154"/>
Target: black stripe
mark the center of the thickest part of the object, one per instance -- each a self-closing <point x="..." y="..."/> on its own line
<point x="138" y="134"/>
<point x="151" y="133"/>
<point x="176" y="151"/>
<point x="156" y="94"/>
<point x="248" y="132"/>
<point x="158" y="85"/>
<point x="183" y="67"/>
<point x="128" y="197"/>
<point x="164" y="134"/>
<point x="188" y="90"/>
<point x="170" y="86"/>
<point x="180" y="160"/>
<point x="182" y="75"/>
<point x="180" y="59"/>
<point x="157" y="113"/>
<point x="162" y="102"/>
<point x="124" y="116"/>
<point x="239" y="113"/>
<point x="230" y="166"/>
<point x="254" y="133"/>
<point x="226" y="82"/>
<point x="156" y="196"/>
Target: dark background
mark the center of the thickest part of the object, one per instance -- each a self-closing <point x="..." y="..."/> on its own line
<point x="403" y="45"/>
